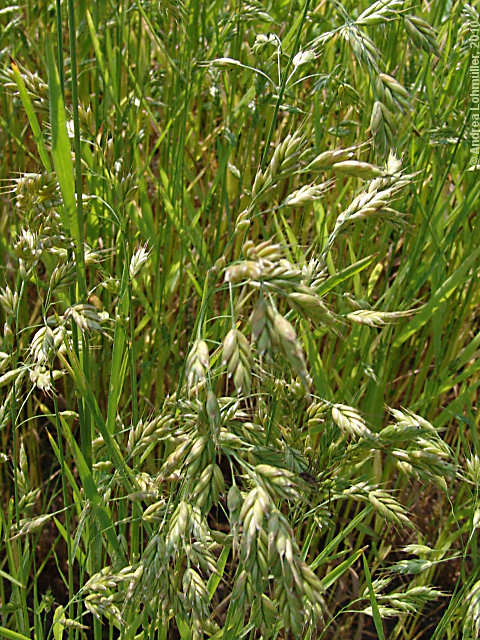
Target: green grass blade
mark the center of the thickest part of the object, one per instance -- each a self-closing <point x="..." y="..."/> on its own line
<point x="104" y="518"/>
<point x="7" y="576"/>
<point x="343" y="275"/>
<point x="333" y="575"/>
<point x="32" y="118"/>
<point x="330" y="547"/>
<point x="373" y="601"/>
<point x="62" y="155"/>
<point x="438" y="298"/>
<point x="215" y="578"/>
<point x="87" y="394"/>
<point x="12" y="635"/>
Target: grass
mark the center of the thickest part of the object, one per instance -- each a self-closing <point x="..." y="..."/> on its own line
<point x="238" y="364"/>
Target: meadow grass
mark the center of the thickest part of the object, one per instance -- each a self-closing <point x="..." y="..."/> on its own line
<point x="239" y="306"/>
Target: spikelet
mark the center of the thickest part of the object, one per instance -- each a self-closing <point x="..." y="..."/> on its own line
<point x="146" y="434"/>
<point x="280" y="483"/>
<point x="255" y="509"/>
<point x="309" y="304"/>
<point x="139" y="257"/>
<point x="242" y="222"/>
<point x="382" y="501"/>
<point x="380" y="12"/>
<point x="285" y="337"/>
<point x="327" y="159"/>
<point x="8" y="301"/>
<point x="262" y="328"/>
<point x="208" y="487"/>
<point x="246" y="270"/>
<point x="374" y="318"/>
<point x="196" y="598"/>
<point x="46" y="342"/>
<point x="86" y="317"/>
<point x="36" y="88"/>
<point x="392" y="93"/>
<point x="285" y="160"/>
<point x="350" y="421"/>
<point x="363" y="47"/>
<point x="266" y="251"/>
<point x="358" y="169"/>
<point x="472" y="617"/>
<point x="422" y="34"/>
<point x="382" y="126"/>
<point x="237" y="357"/>
<point x="179" y="526"/>
<point x="198" y="363"/>
<point x="306" y="194"/>
<point x="376" y="198"/>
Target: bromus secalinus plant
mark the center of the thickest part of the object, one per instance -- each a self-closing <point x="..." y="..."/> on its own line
<point x="239" y="320"/>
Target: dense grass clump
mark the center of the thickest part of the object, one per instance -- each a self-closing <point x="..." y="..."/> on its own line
<point x="239" y="310"/>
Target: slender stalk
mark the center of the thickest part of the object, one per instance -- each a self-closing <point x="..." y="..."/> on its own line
<point x="283" y="85"/>
<point x="58" y="6"/>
